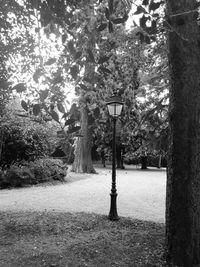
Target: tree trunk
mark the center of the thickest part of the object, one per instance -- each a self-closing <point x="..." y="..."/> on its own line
<point x="144" y="162"/>
<point x="83" y="156"/>
<point x="183" y="176"/>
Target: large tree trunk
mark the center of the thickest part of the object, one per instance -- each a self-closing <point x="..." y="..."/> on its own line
<point x="183" y="177"/>
<point x="83" y="156"/>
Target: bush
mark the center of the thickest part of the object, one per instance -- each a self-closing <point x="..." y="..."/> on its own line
<point x="38" y="171"/>
<point x="48" y="169"/>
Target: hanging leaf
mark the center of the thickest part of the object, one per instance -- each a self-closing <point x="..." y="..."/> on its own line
<point x="50" y="61"/>
<point x="143" y="21"/>
<point x="20" y="87"/>
<point x="74" y="70"/>
<point x="145" y="2"/>
<point x="38" y="73"/>
<point x="24" y="105"/>
<point x="61" y="108"/>
<point x="118" y="21"/>
<point x="96" y="112"/>
<point x="78" y="55"/>
<point x="110" y="4"/>
<point x="140" y="10"/>
<point x="141" y="36"/>
<point x="55" y="115"/>
<point x="64" y="38"/>
<point x="153" y="6"/>
<point x="107" y="13"/>
<point x="110" y="27"/>
<point x="36" y="109"/>
<point x="91" y="119"/>
<point x="58" y="79"/>
<point x="83" y="87"/>
<point x="44" y="94"/>
<point x="104" y="70"/>
<point x="71" y="48"/>
<point x="65" y="115"/>
<point x="90" y="56"/>
<point x="69" y="122"/>
<point x="74" y="129"/>
<point x="103" y="59"/>
<point x="71" y="26"/>
<point x="86" y="79"/>
<point x="22" y="115"/>
<point x="102" y="27"/>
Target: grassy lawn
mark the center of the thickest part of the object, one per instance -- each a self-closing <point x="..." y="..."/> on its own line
<point x="79" y="239"/>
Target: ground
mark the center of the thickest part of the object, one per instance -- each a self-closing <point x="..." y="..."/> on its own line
<point x="141" y="194"/>
<point x="67" y="225"/>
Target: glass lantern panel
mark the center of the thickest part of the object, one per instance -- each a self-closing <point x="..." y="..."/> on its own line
<point x="111" y="109"/>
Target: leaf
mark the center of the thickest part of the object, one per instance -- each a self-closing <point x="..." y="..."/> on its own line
<point x="61" y="108"/>
<point x="143" y="21"/>
<point x="86" y="79"/>
<point x="71" y="48"/>
<point x="69" y="122"/>
<point x="24" y="105"/>
<point x="145" y="2"/>
<point x="83" y="87"/>
<point x="153" y="6"/>
<point x="96" y="112"/>
<point x="74" y="129"/>
<point x="118" y="21"/>
<point x="22" y="115"/>
<point x="71" y="26"/>
<point x="44" y="94"/>
<point x="102" y="27"/>
<point x="20" y="87"/>
<point x="55" y="115"/>
<point x="107" y="13"/>
<point x="36" y="109"/>
<point x="103" y="59"/>
<point x="38" y="73"/>
<point x="110" y="27"/>
<point x="74" y="70"/>
<point x="57" y="79"/>
<point x="64" y="38"/>
<point x="90" y="56"/>
<point x="104" y="70"/>
<point x="65" y="115"/>
<point x="140" y="10"/>
<point x="50" y="61"/>
<point x="78" y="55"/>
<point x="110" y="4"/>
<point x="60" y="133"/>
<point x="141" y="36"/>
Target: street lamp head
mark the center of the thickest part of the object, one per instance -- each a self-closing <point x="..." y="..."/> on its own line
<point x="115" y="105"/>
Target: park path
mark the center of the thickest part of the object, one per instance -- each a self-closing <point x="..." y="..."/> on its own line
<point x="141" y="194"/>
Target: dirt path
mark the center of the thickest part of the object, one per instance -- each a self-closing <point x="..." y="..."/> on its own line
<point x="141" y="194"/>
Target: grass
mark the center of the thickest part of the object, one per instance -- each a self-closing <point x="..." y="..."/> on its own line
<point x="78" y="240"/>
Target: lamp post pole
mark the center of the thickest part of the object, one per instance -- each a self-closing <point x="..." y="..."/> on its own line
<point x="113" y="204"/>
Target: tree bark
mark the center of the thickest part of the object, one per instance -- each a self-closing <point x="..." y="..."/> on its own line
<point x="144" y="162"/>
<point x="83" y="156"/>
<point x="183" y="176"/>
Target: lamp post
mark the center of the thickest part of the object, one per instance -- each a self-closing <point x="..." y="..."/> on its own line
<point x="114" y="105"/>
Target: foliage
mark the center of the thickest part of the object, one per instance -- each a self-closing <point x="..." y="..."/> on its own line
<point x="28" y="173"/>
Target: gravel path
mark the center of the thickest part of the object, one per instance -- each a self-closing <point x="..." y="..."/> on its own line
<point x="141" y="194"/>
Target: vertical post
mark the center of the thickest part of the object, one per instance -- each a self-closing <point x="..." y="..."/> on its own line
<point x="113" y="204"/>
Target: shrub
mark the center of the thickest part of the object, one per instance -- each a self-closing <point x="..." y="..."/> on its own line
<point x="38" y="171"/>
<point x="48" y="169"/>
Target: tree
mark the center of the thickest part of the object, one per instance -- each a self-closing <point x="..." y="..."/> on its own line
<point x="183" y="179"/>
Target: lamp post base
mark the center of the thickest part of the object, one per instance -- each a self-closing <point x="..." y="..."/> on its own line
<point x="113" y="216"/>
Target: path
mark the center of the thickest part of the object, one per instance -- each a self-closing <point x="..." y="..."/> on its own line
<point x="141" y="194"/>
